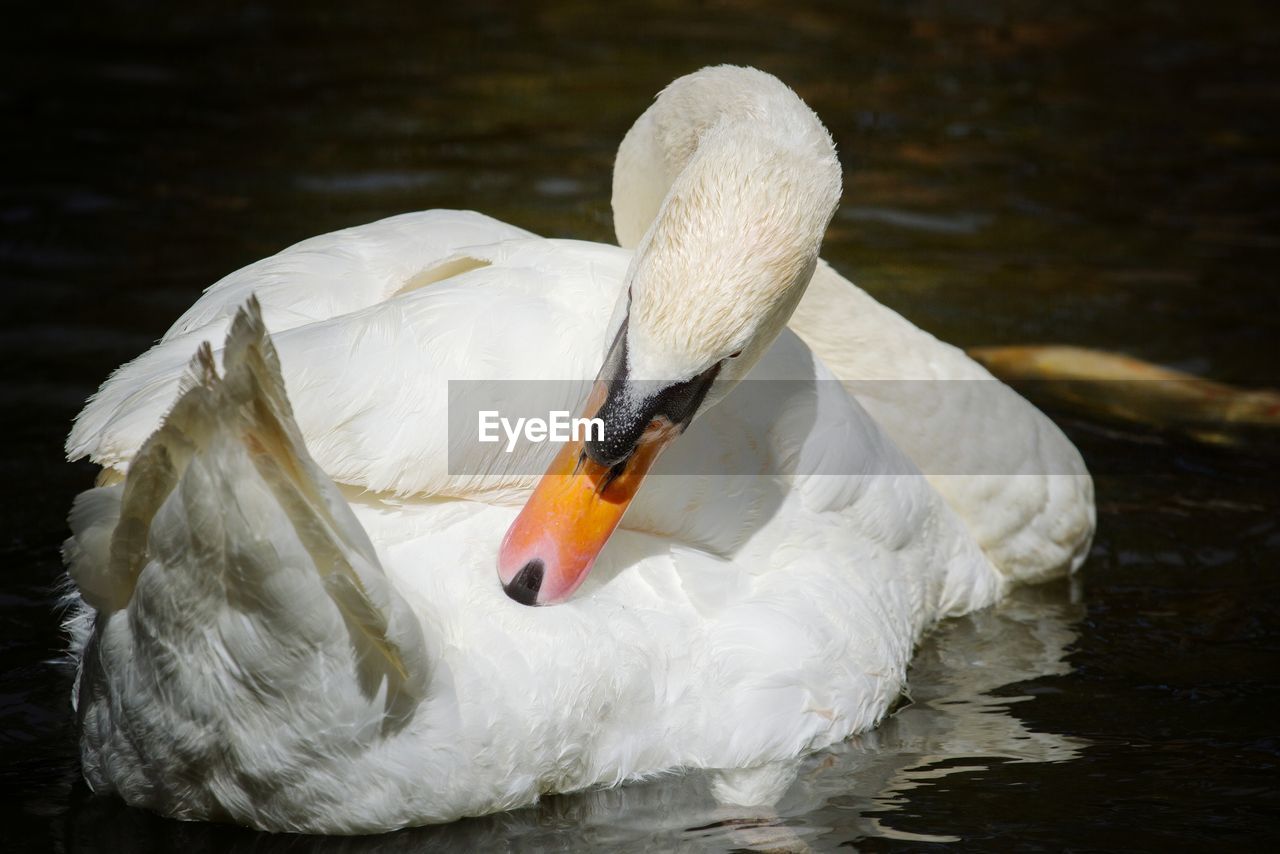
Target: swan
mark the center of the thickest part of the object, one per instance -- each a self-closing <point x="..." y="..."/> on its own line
<point x="288" y="613"/>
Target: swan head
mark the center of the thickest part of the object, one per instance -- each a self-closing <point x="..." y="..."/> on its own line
<point x="729" y="242"/>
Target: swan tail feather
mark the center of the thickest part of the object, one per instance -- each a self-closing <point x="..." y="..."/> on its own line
<point x="226" y="486"/>
<point x="337" y="543"/>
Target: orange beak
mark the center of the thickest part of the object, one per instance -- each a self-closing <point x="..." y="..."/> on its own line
<point x="573" y="511"/>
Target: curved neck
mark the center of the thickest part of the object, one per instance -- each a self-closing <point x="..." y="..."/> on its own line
<point x="663" y="141"/>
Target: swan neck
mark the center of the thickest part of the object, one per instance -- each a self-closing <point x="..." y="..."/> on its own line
<point x="723" y="103"/>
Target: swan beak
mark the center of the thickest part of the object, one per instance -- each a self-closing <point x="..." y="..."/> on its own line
<point x="574" y="509"/>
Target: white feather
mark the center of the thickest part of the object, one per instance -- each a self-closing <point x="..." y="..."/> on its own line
<point x="299" y="625"/>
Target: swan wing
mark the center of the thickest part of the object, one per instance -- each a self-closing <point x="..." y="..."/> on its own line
<point x="372" y="329"/>
<point x="318" y="279"/>
<point x="1007" y="470"/>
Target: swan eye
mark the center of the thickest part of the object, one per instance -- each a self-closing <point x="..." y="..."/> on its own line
<point x="735" y="355"/>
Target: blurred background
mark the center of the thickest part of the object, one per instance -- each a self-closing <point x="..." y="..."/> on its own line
<point x="1086" y="173"/>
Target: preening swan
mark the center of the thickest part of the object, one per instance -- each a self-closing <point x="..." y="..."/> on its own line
<point x="295" y="623"/>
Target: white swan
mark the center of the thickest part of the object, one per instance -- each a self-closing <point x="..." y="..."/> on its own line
<point x="297" y="622"/>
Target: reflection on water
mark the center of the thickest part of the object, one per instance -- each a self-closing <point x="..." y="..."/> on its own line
<point x="951" y="724"/>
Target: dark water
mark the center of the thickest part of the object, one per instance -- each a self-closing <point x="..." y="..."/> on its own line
<point x="1090" y="173"/>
